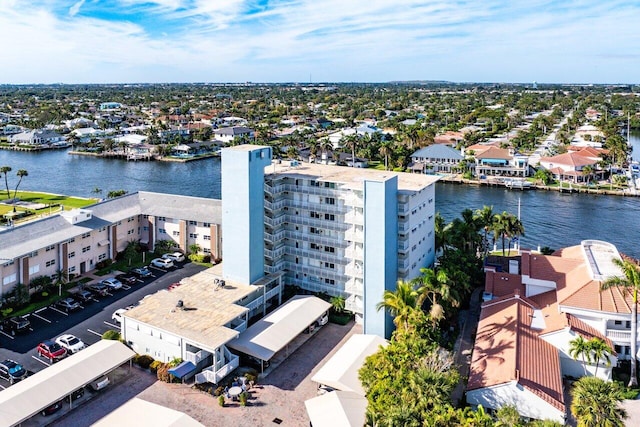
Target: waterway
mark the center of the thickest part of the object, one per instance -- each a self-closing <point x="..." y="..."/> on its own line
<point x="550" y="218"/>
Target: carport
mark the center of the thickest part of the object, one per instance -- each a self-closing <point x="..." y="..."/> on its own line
<point x="338" y="408"/>
<point x="275" y="331"/>
<point x="154" y="416"/>
<point x="35" y="393"/>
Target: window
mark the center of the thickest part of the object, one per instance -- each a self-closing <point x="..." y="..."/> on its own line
<point x="206" y="224"/>
<point x="72" y="254"/>
<point x="102" y="256"/>
<point x="314" y="230"/>
<point x="85" y="235"/>
<point x="50" y="263"/>
<point x="175" y="233"/>
<point x="9" y="279"/>
<point x="329" y="265"/>
<point x="618" y="322"/>
<point x="206" y="237"/>
<point x="71" y="240"/>
<point x="86" y="249"/>
<point x="206" y="250"/>
<point x="72" y="269"/>
<point x="130" y="219"/>
<point x="330" y="249"/>
<point x="314" y="183"/>
<point x="315" y="246"/>
<point x="145" y="228"/>
<point x="329" y="281"/>
<point x="50" y="248"/>
<point x="162" y="231"/>
<point x="329" y="217"/>
<point x="315" y="215"/>
<point x="162" y="218"/>
<point x="193" y="235"/>
<point x="193" y="222"/>
<point x="330" y="200"/>
<point x="34" y="269"/>
<point x="130" y="232"/>
<point x="33" y="254"/>
<point x="329" y="185"/>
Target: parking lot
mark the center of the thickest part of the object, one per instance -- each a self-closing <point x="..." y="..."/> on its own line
<point x="88" y="322"/>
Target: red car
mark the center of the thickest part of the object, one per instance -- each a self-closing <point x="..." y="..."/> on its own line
<point x="51" y="350"/>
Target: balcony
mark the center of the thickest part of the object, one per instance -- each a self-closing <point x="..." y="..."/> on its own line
<point x="275" y="221"/>
<point x="620" y="336"/>
<point x="354" y="252"/>
<point x="354" y="286"/>
<point x="354" y="304"/>
<point x="354" y="235"/>
<point x="275" y="237"/>
<point x="403" y="245"/>
<point x="197" y="357"/>
<point x="354" y="270"/>
<point x="274" y="206"/>
<point x="353" y="200"/>
<point x="215" y="374"/>
<point x="275" y="253"/>
<point x="354" y="218"/>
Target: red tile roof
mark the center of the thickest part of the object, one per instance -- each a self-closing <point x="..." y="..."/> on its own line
<point x="570" y="159"/>
<point x="494" y="153"/>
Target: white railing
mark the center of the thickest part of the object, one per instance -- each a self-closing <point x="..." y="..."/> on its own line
<point x="273" y="292"/>
<point x="353" y="200"/>
<point x="255" y="303"/>
<point x="619" y="335"/>
<point x="275" y="205"/>
<point x="354" y="286"/>
<point x="275" y="237"/>
<point x="354" y="304"/>
<point x="354" y="270"/>
<point x="354" y="235"/>
<point x="354" y="253"/>
<point x="403" y="245"/>
<point x="240" y="327"/>
<point x="403" y="209"/>
<point x="196" y="358"/>
<point x="274" y="222"/>
<point x="321" y="239"/>
<point x="213" y="375"/>
<point x="275" y="253"/>
<point x="354" y="218"/>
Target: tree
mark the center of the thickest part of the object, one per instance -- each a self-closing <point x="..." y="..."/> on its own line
<point x="485" y="218"/>
<point x="544" y="176"/>
<point x="509" y="226"/>
<point x="116" y="193"/>
<point x="399" y="303"/>
<point x="587" y="172"/>
<point x="508" y="416"/>
<point x="596" y="403"/>
<point x="60" y="278"/>
<point x="600" y="350"/>
<point x="579" y="347"/>
<point x="337" y="303"/>
<point x="5" y="170"/>
<point x="435" y="288"/>
<point x="351" y="142"/>
<point x="629" y="281"/>
<point x="386" y="149"/>
<point x="21" y="174"/>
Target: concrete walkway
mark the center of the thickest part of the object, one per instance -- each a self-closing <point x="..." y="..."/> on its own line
<point x="463" y="348"/>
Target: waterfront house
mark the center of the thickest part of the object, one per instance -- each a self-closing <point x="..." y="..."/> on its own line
<point x="436" y="158"/>
<point x="228" y="134"/>
<point x="501" y="162"/>
<point x="532" y="313"/>
<point x="41" y="137"/>
<point x="568" y="167"/>
<point x="451" y="138"/>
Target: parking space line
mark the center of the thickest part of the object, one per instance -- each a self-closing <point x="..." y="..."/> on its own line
<point x="40" y="360"/>
<point x="40" y="317"/>
<point x="6" y="335"/>
<point x="111" y="324"/>
<point x="40" y="309"/>
<point x="125" y="287"/>
<point x="95" y="333"/>
<point x="59" y="311"/>
<point x="3" y="387"/>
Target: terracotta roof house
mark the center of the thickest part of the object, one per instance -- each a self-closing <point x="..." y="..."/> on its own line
<point x="569" y="166"/>
<point x="449" y="137"/>
<point x="436" y="158"/>
<point x="496" y="161"/>
<point x="532" y="313"/>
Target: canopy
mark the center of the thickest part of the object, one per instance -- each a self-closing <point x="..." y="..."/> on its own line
<point x="141" y="413"/>
<point x="33" y="394"/>
<point x="341" y="371"/>
<point x="273" y="332"/>
<point x="337" y="408"/>
<point x="182" y="370"/>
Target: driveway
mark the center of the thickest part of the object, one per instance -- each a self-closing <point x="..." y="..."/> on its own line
<point x="280" y="395"/>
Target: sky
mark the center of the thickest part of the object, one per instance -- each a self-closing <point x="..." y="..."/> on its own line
<point x="138" y="41"/>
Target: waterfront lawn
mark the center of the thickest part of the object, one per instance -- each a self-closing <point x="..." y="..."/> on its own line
<point x="51" y="199"/>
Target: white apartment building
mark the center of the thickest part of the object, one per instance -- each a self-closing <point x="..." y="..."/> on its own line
<point x="75" y="241"/>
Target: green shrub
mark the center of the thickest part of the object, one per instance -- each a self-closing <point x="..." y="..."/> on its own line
<point x="221" y="400"/>
<point x="111" y="335"/>
<point x="196" y="258"/>
<point x="243" y="398"/>
<point x="144" y="361"/>
<point x="163" y="373"/>
<point x="219" y="391"/>
<point x="153" y="367"/>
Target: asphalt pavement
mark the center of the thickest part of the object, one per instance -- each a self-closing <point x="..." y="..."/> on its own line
<point x="88" y="323"/>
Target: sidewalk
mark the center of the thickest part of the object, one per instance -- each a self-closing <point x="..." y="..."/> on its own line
<point x="463" y="348"/>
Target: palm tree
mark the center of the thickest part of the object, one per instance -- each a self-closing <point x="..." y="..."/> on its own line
<point x="485" y="218"/>
<point x="386" y="149"/>
<point x="599" y="350"/>
<point x="579" y="347"/>
<point x="337" y="303"/>
<point x="21" y="174"/>
<point x="436" y="288"/>
<point x="399" y="303"/>
<point x="587" y="171"/>
<point x="5" y="170"/>
<point x="596" y="403"/>
<point x="352" y="142"/>
<point x="507" y="225"/>
<point x="628" y="282"/>
<point x="441" y="231"/>
<point x="326" y="146"/>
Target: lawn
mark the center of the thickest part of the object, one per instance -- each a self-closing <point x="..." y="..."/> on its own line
<point x="48" y="199"/>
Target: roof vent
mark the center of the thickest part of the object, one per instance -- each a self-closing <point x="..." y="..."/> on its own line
<point x="180" y="304"/>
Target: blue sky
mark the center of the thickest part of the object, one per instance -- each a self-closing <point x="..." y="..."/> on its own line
<point x="118" y="41"/>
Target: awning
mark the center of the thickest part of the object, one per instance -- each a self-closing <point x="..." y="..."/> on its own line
<point x="337" y="408"/>
<point x="104" y="242"/>
<point x="182" y="370"/>
<point x="154" y="416"/>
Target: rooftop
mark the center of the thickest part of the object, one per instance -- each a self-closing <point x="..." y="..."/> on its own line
<point x="350" y="177"/>
<point x="205" y="310"/>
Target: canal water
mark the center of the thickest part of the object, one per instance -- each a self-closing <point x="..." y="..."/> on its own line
<point x="550" y="218"/>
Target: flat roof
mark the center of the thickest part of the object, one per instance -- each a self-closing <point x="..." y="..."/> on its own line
<point x="273" y="332"/>
<point x="146" y="414"/>
<point x="350" y="177"/>
<point x="599" y="256"/>
<point x="205" y="310"/>
<point x="337" y="408"/>
<point x="31" y="395"/>
<point x="341" y="371"/>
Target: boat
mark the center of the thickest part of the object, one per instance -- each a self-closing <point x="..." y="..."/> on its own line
<point x="517" y="184"/>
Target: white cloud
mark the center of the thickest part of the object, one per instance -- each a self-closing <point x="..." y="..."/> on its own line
<point x="73" y="10"/>
<point x="352" y="40"/>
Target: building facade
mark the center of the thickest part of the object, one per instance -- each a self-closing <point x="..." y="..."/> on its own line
<point x="343" y="231"/>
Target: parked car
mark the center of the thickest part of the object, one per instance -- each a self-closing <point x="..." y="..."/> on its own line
<point x="71" y="343"/>
<point x="75" y="395"/>
<point x="51" y="350"/>
<point x="174" y="256"/>
<point x="99" y="384"/>
<point x="142" y="272"/>
<point x="67" y="304"/>
<point x="84" y="296"/>
<point x="112" y="283"/>
<point x="162" y="263"/>
<point x="99" y="289"/>
<point x="49" y="410"/>
<point x="127" y="279"/>
<point x="12" y="371"/>
<point x="15" y="325"/>
<point x="253" y="362"/>
<point x="117" y="315"/>
<point x="323" y="320"/>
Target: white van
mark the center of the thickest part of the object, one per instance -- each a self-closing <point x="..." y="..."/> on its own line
<point x="99" y="384"/>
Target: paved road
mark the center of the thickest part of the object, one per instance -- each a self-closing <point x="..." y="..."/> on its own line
<point x="87" y="324"/>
